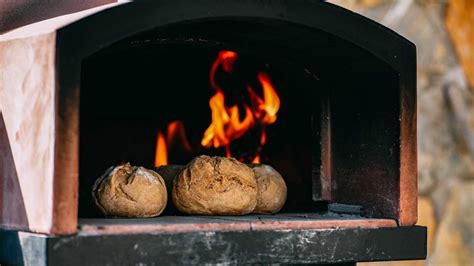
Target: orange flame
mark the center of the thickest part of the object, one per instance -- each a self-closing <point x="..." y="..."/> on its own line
<point x="263" y="137"/>
<point x="225" y="59"/>
<point x="256" y="160"/>
<point x="176" y="135"/>
<point x="161" y="152"/>
<point x="226" y="125"/>
<point x="271" y="103"/>
<point x="175" y="138"/>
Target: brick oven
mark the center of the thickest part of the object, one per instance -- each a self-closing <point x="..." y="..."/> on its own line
<point x="131" y="82"/>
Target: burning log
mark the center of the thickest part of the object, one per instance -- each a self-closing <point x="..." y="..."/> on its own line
<point x="215" y="186"/>
<point x="271" y="187"/>
<point x="130" y="191"/>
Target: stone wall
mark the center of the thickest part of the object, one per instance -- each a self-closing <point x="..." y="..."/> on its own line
<point x="443" y="31"/>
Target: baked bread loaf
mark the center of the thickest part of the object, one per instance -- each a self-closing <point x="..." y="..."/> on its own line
<point x="215" y="186"/>
<point x="130" y="191"/>
<point x="271" y="189"/>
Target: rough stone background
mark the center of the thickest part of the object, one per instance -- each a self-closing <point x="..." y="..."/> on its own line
<point x="443" y="31"/>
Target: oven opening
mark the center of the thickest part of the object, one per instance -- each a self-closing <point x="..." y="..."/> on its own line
<point x="326" y="117"/>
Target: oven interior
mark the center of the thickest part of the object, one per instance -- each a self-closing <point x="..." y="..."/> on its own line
<point x="136" y="89"/>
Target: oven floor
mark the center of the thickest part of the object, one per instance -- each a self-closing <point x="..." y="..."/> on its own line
<point x="253" y="222"/>
<point x="189" y="240"/>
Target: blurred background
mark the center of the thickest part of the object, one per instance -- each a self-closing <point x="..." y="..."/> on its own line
<point x="443" y="32"/>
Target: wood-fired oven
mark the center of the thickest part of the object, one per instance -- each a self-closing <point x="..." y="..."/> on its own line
<point x="132" y="82"/>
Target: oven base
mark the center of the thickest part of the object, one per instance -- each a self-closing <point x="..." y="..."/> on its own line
<point x="319" y="246"/>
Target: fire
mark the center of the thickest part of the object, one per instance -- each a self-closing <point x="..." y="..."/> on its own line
<point x="175" y="138"/>
<point x="226" y="124"/>
<point x="161" y="151"/>
<point x="267" y="108"/>
<point x="256" y="160"/>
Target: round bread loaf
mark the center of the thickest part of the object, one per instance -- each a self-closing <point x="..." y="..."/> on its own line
<point x="215" y="186"/>
<point x="271" y="189"/>
<point x="130" y="191"/>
